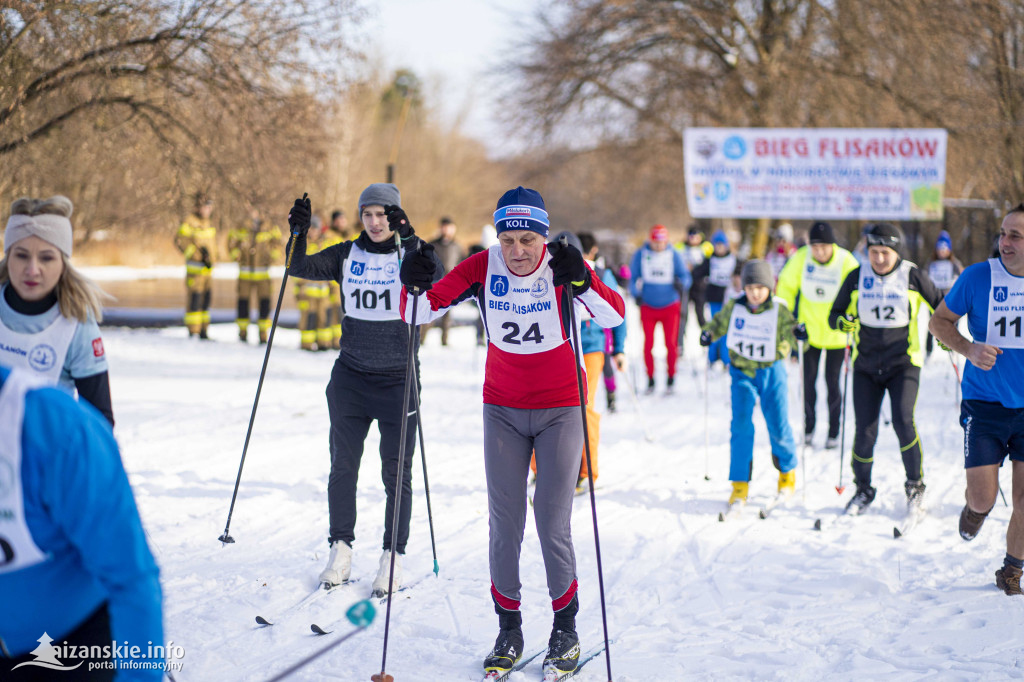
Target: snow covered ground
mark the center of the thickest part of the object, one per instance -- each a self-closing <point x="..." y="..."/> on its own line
<point x="688" y="598"/>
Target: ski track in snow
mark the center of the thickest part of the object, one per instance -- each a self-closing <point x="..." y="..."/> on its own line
<point x="688" y="598"/>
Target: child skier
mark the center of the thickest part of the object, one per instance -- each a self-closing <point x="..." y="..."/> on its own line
<point x="761" y="332"/>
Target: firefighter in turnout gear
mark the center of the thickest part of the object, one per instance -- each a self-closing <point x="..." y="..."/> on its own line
<point x="312" y="295"/>
<point x="256" y="246"/>
<point x="197" y="240"/>
<point x="336" y="233"/>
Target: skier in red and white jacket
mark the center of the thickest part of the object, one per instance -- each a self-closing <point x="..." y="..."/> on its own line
<point x="531" y="401"/>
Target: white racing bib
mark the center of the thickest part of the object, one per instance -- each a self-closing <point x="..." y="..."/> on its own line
<point x="1005" y="308"/>
<point x="522" y="313"/>
<point x="370" y="285"/>
<point x="43" y="353"/>
<point x="657" y="267"/>
<point x="17" y="548"/>
<point x="720" y="270"/>
<point x="941" y="273"/>
<point x="820" y="283"/>
<point x="884" y="302"/>
<point x="753" y="336"/>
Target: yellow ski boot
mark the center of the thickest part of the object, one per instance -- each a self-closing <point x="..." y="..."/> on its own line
<point x="787" y="482"/>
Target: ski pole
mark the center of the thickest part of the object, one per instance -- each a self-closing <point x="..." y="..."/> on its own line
<point x="226" y="537"/>
<point x="636" y="407"/>
<point x="575" y="332"/>
<point x="359" y="614"/>
<point x="409" y="380"/>
<point x="842" y="437"/>
<point x="707" y="438"/>
<point x="423" y="460"/>
<point x="803" y="407"/>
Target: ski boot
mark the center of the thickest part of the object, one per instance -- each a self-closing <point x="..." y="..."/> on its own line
<point x="670" y="386"/>
<point x="831" y="443"/>
<point x="563" y="655"/>
<point x="787" y="482"/>
<point x="508" y="649"/>
<point x="380" y="583"/>
<point x="915" y="494"/>
<point x="339" y="565"/>
<point x="860" y="500"/>
<point x="809" y="439"/>
<point x="650" y="386"/>
<point x="611" y="403"/>
<point x="739" y="492"/>
<point x="1008" y="579"/>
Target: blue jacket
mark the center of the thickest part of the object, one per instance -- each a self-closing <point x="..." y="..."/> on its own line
<point x="658" y="295"/>
<point x="592" y="335"/>
<point x="81" y="513"/>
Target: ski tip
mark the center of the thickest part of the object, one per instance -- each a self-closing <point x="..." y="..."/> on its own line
<point x="817" y="524"/>
<point x="840" y="489"/>
<point x="317" y="630"/>
<point x="721" y="516"/>
<point x="263" y="621"/>
<point x="896" y="532"/>
<point x="763" y="514"/>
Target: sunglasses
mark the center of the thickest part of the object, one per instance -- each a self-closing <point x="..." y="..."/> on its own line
<point x="883" y="240"/>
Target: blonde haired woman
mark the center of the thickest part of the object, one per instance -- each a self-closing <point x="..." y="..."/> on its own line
<point x="49" y="312"/>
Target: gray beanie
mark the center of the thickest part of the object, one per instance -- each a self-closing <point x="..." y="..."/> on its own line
<point x="380" y="194"/>
<point x="757" y="271"/>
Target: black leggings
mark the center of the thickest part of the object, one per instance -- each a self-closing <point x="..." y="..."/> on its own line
<point x="868" y="391"/>
<point x="833" y="367"/>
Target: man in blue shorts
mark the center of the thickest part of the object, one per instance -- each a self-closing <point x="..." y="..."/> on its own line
<point x="991" y="295"/>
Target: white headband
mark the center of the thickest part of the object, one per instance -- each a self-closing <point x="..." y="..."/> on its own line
<point x="55" y="229"/>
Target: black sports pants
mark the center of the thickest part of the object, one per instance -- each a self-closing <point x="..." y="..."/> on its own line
<point x="868" y="391"/>
<point x="833" y="368"/>
<point x="354" y="400"/>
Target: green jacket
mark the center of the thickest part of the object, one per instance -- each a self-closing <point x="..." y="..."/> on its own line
<point x="812" y="303"/>
<point x="784" y="339"/>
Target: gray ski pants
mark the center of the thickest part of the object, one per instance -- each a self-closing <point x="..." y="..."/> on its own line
<point x="511" y="435"/>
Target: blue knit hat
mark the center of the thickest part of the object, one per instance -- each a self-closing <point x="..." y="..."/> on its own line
<point x="944" y="240"/>
<point x="521" y="209"/>
<point x="719" y="238"/>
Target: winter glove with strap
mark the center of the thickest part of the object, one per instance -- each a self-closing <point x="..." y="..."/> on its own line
<point x="800" y="332"/>
<point x="568" y="267"/>
<point x="299" y="216"/>
<point x="398" y="221"/>
<point x="705" y="338"/>
<point x="418" y="268"/>
<point x="848" y="324"/>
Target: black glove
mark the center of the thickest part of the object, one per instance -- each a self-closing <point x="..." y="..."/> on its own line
<point x="705" y="338"/>
<point x="800" y="332"/>
<point x="204" y="256"/>
<point x="399" y="222"/>
<point x="568" y="267"/>
<point x="418" y="268"/>
<point x="298" y="217"/>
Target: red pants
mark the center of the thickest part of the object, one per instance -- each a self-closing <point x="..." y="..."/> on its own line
<point x="669" y="319"/>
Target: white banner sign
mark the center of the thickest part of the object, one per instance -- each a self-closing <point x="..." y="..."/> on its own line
<point x="815" y="173"/>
